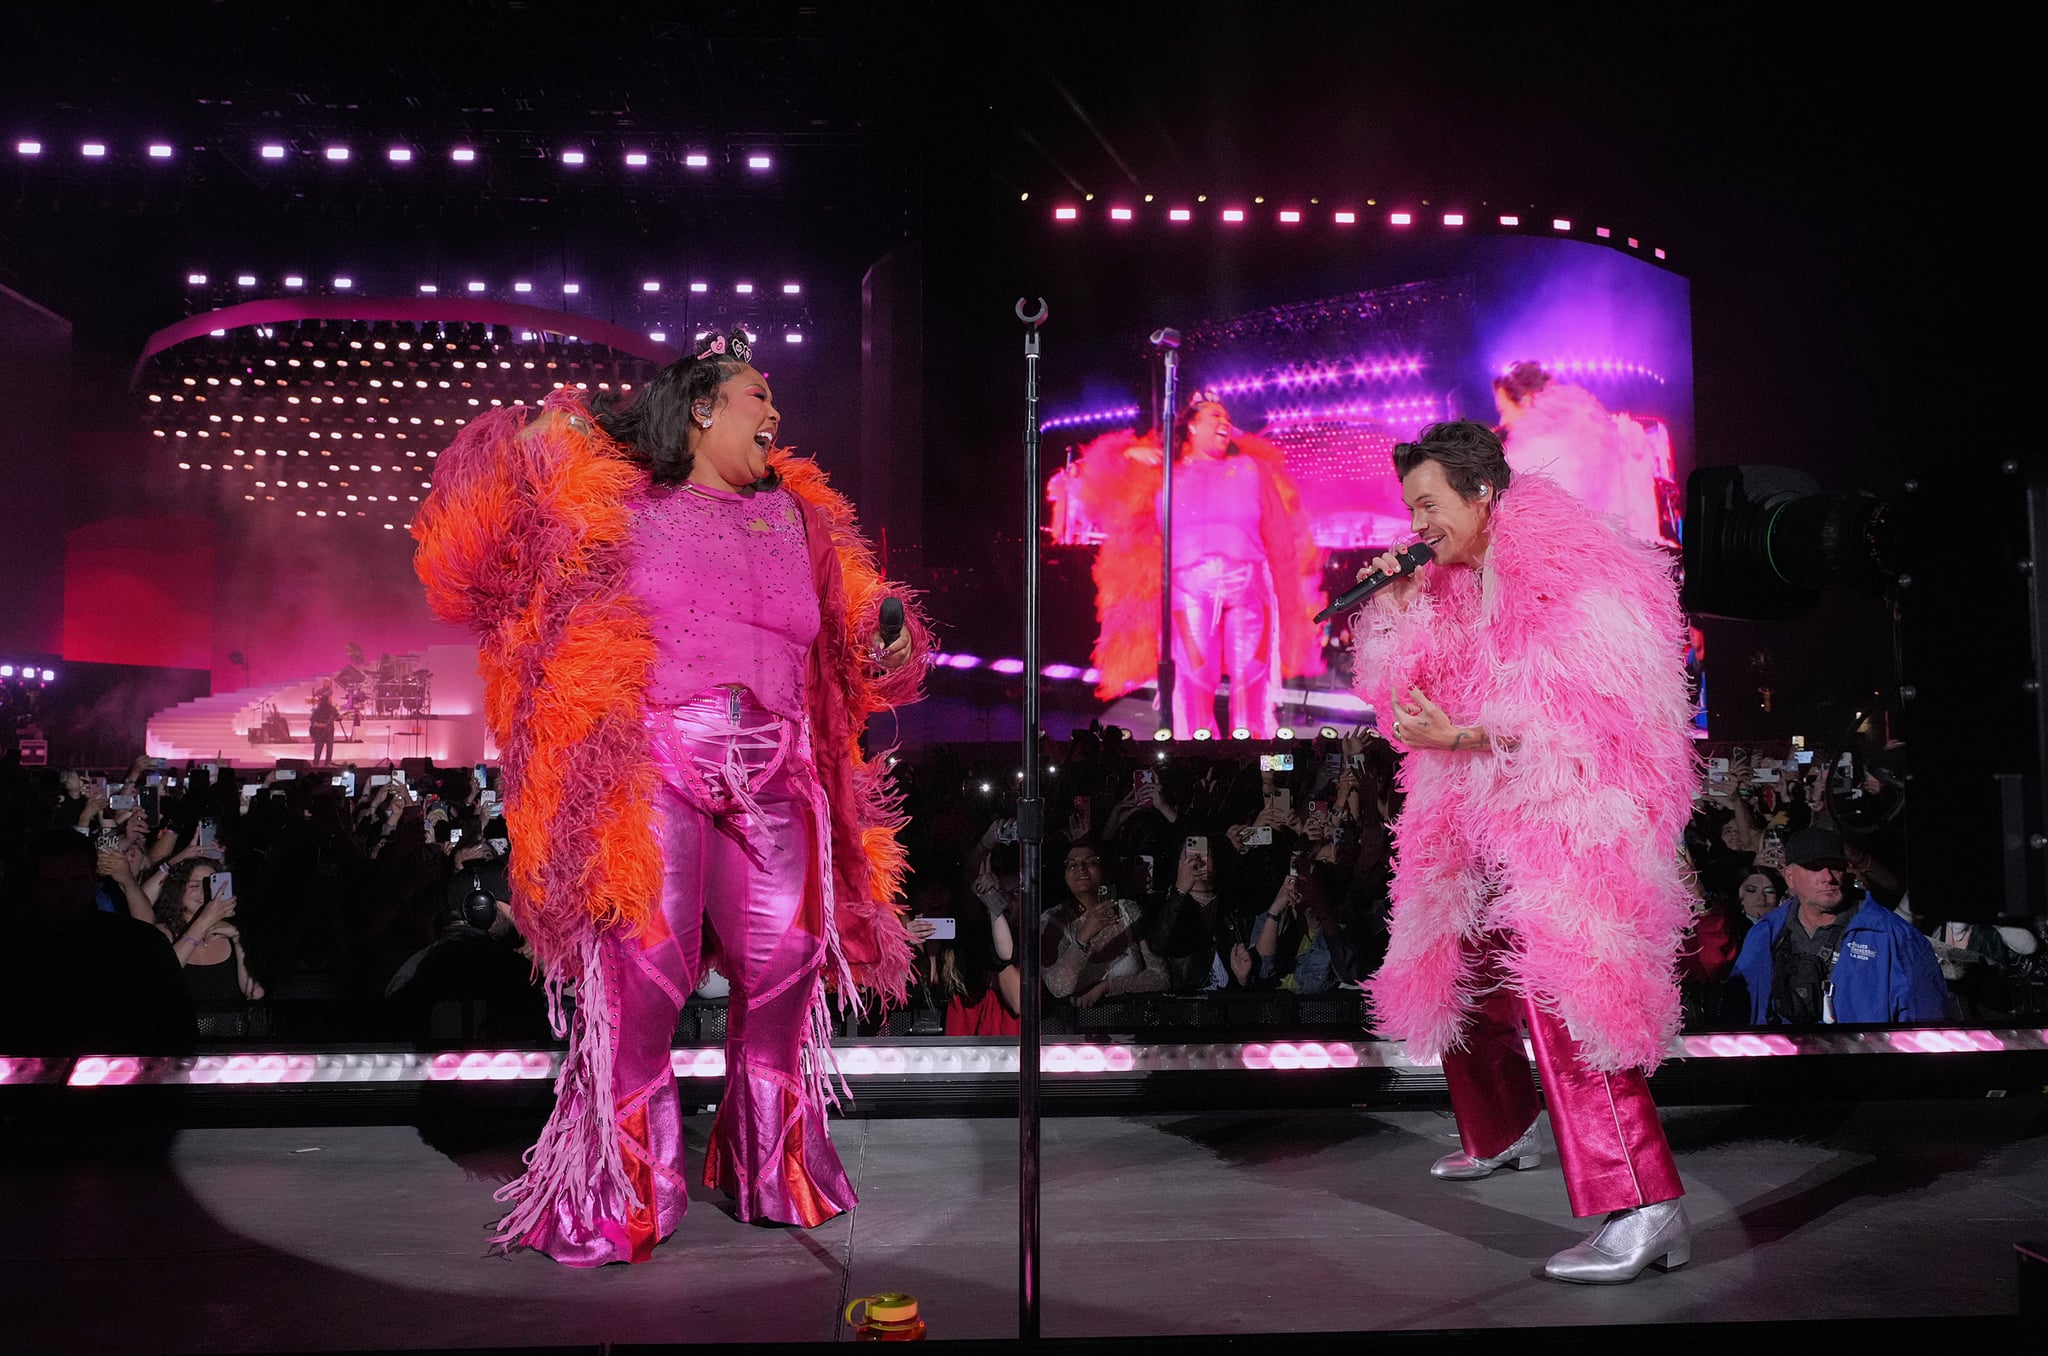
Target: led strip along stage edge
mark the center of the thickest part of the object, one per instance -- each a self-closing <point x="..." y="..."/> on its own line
<point x="969" y="1076"/>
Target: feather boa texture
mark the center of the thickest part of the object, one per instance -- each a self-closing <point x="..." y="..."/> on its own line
<point x="1568" y="647"/>
<point x="525" y="541"/>
<point x="1122" y="494"/>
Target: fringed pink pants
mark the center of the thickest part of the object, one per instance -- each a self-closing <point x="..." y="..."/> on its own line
<point x="1610" y="1144"/>
<point x="743" y="833"/>
<point x="1223" y="623"/>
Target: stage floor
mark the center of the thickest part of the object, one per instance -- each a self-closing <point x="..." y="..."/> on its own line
<point x="370" y="1237"/>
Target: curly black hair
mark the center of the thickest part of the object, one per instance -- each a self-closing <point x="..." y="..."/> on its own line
<point x="1471" y="455"/>
<point x="654" y="430"/>
<point x="169" y="904"/>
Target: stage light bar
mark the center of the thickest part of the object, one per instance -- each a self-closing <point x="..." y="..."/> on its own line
<point x="1345" y="218"/>
<point x="429" y="290"/>
<point x="696" y="160"/>
<point x="636" y="159"/>
<point x="1560" y="224"/>
<point x="745" y="289"/>
<point x="196" y="279"/>
<point x="399" y="155"/>
<point x="650" y="286"/>
<point x="1510" y="220"/>
<point x="1233" y="214"/>
<point x="793" y="337"/>
<point x="1119" y="214"/>
<point x="658" y="336"/>
<point x="522" y="287"/>
<point x="1180" y="214"/>
<point x="758" y="162"/>
<point x="245" y="280"/>
<point x="337" y="154"/>
<point x="28" y="148"/>
<point x="294" y="280"/>
<point x="1007" y="666"/>
<point x="93" y="150"/>
<point x="1066" y="213"/>
<point x="791" y="289"/>
<point x="159" y="151"/>
<point x="1400" y="218"/>
<point x="700" y="287"/>
<point x="344" y="284"/>
<point x="272" y="151"/>
<point x="570" y="289"/>
<point x="573" y="157"/>
<point x="1454" y="218"/>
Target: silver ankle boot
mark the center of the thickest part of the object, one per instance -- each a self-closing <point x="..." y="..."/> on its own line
<point x="1657" y="1236"/>
<point x="1526" y="1152"/>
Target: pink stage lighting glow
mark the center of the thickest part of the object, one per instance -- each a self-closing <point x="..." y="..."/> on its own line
<point x="340" y="153"/>
<point x="1400" y="218"/>
<point x="696" y="160"/>
<point x="159" y="151"/>
<point x="1119" y="214"/>
<point x="1634" y="243"/>
<point x="399" y="155"/>
<point x="758" y="162"/>
<point x="1066" y="213"/>
<point x="93" y="150"/>
<point x="273" y="151"/>
<point x="1510" y="220"/>
<point x="1233" y="214"/>
<point x="1007" y="666"/>
<point x="573" y="157"/>
<point x="1180" y="214"/>
<point x="1602" y="232"/>
<point x="28" y="148"/>
<point x="463" y="155"/>
<point x="1658" y="253"/>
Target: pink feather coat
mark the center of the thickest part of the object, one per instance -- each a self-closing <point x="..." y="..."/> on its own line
<point x="1563" y="840"/>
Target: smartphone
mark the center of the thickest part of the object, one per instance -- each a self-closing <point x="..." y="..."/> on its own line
<point x="380" y="779"/>
<point x="1006" y="831"/>
<point x="483" y="775"/>
<point x="1767" y="774"/>
<point x="124" y="802"/>
<point x="347" y="781"/>
<point x="287" y="774"/>
<point x="1846" y="761"/>
<point x="1084" y="814"/>
<point x="1144" y="860"/>
<point x="398" y="775"/>
<point x="1802" y="756"/>
<point x="1283" y="799"/>
<point x="1198" y="847"/>
<point x="1262" y="836"/>
<point x="249" y="791"/>
<point x="208" y="835"/>
<point x="1718" y="766"/>
<point x="455" y="835"/>
<point x="1798" y="741"/>
<point x="153" y="779"/>
<point x="220" y="885"/>
<point x="500" y="845"/>
<point x="490" y="798"/>
<point x="1147" y="777"/>
<point x="943" y="929"/>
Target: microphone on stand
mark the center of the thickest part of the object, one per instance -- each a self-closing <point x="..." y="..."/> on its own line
<point x="1165" y="338"/>
<point x="1412" y="558"/>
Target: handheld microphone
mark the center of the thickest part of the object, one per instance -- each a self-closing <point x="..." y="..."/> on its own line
<point x="1165" y="338"/>
<point x="890" y="620"/>
<point x="1412" y="559"/>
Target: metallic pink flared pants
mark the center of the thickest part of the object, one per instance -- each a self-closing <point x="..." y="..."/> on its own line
<point x="1610" y="1144"/>
<point x="743" y="828"/>
<point x="1223" y="622"/>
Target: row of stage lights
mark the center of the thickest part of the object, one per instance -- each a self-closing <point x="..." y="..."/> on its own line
<point x="297" y="282"/>
<point x="28" y="673"/>
<point x="404" y="153"/>
<point x="1294" y="216"/>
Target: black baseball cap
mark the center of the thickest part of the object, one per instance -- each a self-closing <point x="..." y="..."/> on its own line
<point x="1812" y="848"/>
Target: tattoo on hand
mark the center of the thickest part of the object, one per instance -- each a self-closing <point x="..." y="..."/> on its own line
<point x="1459" y="742"/>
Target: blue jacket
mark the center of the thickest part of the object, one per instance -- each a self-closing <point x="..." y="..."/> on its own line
<point x="1885" y="971"/>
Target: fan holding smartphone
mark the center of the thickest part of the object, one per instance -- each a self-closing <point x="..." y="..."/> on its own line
<point x="194" y="909"/>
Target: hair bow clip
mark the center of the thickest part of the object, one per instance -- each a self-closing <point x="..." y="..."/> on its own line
<point x="715" y="349"/>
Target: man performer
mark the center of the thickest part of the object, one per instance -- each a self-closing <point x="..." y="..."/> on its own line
<point x="1537" y="678"/>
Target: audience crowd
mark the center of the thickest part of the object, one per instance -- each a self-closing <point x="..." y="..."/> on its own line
<point x="1232" y="887"/>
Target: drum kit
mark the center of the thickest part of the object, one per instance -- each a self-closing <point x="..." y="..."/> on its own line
<point x="399" y="686"/>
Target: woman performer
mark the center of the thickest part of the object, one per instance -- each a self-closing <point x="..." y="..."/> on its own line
<point x="1246" y="571"/>
<point x="680" y="652"/>
<point x="1538" y="683"/>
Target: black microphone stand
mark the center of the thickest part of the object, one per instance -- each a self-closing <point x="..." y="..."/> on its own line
<point x="1031" y="855"/>
<point x="1167" y="341"/>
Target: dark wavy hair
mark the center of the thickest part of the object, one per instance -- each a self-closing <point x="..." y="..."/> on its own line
<point x="1522" y="380"/>
<point x="170" y="896"/>
<point x="1470" y="454"/>
<point x="655" y="429"/>
<point x="1187" y="417"/>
